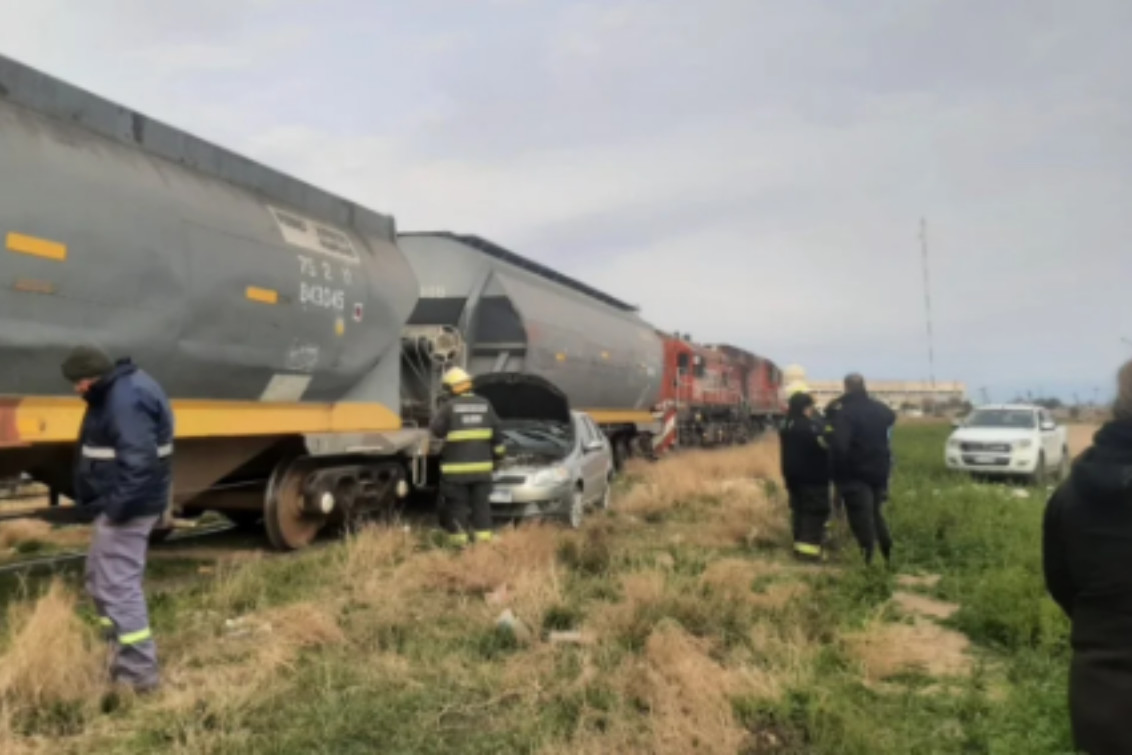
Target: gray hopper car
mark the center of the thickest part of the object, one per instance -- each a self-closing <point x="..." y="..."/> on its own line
<point x="487" y="309"/>
<point x="270" y="310"/>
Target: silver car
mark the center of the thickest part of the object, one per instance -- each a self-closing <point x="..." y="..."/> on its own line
<point x="558" y="462"/>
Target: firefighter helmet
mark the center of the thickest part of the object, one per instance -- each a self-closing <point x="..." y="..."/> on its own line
<point x="456" y="380"/>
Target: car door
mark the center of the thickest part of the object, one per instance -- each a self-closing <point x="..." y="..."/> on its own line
<point x="603" y="458"/>
<point x="591" y="460"/>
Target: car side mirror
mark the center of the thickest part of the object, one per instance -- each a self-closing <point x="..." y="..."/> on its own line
<point x="957" y="423"/>
<point x="1049" y="427"/>
<point x="593" y="446"/>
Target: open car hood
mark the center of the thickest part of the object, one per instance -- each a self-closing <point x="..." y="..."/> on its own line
<point x="522" y="396"/>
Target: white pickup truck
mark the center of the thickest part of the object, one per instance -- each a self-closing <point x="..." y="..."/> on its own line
<point x="1010" y="440"/>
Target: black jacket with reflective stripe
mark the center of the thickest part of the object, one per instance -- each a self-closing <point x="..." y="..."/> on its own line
<point x="472" y="438"/>
<point x="125" y="447"/>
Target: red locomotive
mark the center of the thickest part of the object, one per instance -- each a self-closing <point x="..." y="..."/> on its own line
<point x="718" y="394"/>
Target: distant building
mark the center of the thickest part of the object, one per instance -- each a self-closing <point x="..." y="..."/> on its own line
<point x="898" y="394"/>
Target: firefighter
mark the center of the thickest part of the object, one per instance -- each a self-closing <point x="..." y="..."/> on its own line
<point x="1087" y="563"/>
<point x="123" y="481"/>
<point x="862" y="460"/>
<point x="472" y="447"/>
<point x="805" y="467"/>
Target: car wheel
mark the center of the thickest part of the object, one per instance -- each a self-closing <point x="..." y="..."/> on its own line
<point x="577" y="509"/>
<point x="607" y="496"/>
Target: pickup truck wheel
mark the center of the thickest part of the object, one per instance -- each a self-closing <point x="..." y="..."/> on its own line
<point x="1038" y="477"/>
<point x="1063" y="467"/>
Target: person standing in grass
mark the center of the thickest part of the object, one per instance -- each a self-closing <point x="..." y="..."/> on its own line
<point x="124" y="479"/>
<point x="805" y="468"/>
<point x="1087" y="560"/>
<point x="862" y="462"/>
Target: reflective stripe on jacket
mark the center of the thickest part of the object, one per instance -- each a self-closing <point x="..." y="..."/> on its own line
<point x="126" y="446"/>
<point x="472" y="438"/>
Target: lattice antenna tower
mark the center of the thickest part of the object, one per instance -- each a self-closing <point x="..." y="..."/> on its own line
<point x="927" y="302"/>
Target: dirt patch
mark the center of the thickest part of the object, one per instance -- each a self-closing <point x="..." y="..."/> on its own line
<point x="1080" y="438"/>
<point x="923" y="606"/>
<point x="886" y="650"/>
<point x="918" y="582"/>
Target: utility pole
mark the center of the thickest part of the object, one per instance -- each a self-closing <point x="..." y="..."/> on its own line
<point x="927" y="302"/>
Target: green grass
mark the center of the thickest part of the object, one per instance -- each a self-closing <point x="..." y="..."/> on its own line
<point x="984" y="541"/>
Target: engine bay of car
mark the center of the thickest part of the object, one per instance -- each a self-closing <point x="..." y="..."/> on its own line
<point x="536" y="442"/>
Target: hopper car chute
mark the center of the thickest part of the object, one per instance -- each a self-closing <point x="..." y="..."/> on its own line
<point x="271" y="311"/>
<point x="488" y="310"/>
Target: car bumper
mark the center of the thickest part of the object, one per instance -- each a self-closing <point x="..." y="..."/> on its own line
<point x="521" y="502"/>
<point x="1016" y="463"/>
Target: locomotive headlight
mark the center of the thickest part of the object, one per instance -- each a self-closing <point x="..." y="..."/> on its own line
<point x="550" y="477"/>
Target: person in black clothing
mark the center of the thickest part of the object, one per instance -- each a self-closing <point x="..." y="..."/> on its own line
<point x="862" y="460"/>
<point x="805" y="468"/>
<point x="473" y="444"/>
<point x="1087" y="561"/>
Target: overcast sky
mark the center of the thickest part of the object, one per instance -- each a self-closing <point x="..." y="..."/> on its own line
<point x="746" y="171"/>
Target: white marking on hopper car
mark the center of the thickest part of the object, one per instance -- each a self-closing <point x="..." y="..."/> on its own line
<point x="302" y="357"/>
<point x="284" y="387"/>
<point x="322" y="296"/>
<point x="306" y="233"/>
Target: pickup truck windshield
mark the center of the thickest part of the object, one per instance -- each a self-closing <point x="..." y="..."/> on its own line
<point x="1010" y="418"/>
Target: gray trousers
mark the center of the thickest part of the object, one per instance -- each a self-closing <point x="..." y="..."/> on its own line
<point x="115" y="565"/>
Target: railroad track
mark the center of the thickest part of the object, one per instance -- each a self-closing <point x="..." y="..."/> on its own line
<point x="66" y="557"/>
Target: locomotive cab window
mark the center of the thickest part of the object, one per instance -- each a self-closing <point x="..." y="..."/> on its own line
<point x="682" y="363"/>
<point x="699" y="370"/>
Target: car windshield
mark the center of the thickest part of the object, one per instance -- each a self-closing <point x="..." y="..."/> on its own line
<point x="1010" y="418"/>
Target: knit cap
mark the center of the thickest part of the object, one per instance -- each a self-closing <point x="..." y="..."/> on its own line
<point x="86" y="361"/>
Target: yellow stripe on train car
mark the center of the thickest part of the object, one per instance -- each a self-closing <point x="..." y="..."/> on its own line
<point x="45" y="419"/>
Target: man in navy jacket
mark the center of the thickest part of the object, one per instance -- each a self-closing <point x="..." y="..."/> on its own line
<point x="124" y="480"/>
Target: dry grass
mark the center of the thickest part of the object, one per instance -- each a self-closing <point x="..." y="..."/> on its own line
<point x="51" y="669"/>
<point x="23" y="532"/>
<point x="691" y="476"/>
<point x="886" y="650"/>
<point x="689" y="696"/>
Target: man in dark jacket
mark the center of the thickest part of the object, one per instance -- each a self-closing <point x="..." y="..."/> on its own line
<point x="124" y="480"/>
<point x="1087" y="560"/>
<point x="472" y="445"/>
<point x="862" y="461"/>
<point x="805" y="468"/>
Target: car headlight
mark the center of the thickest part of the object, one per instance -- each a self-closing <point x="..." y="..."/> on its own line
<point x="1023" y="444"/>
<point x="550" y="477"/>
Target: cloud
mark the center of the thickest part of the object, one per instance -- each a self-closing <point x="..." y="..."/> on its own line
<point x="752" y="172"/>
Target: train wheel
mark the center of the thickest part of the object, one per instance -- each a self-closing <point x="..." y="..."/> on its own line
<point x="289" y="526"/>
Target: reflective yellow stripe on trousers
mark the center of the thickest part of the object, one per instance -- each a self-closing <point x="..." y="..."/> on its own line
<point x="133" y="638"/>
<point x="472" y="467"/>
<point x="807" y="550"/>
<point x="480" y="434"/>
